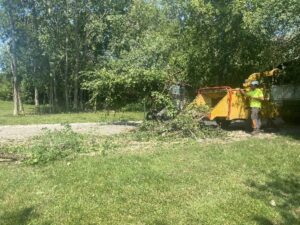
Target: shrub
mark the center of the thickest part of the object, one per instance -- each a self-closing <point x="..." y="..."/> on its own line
<point x="5" y="89"/>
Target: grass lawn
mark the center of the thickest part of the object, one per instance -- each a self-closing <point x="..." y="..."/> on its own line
<point x="255" y="181"/>
<point x="6" y="117"/>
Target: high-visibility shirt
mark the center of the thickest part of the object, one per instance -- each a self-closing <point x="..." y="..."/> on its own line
<point x="257" y="93"/>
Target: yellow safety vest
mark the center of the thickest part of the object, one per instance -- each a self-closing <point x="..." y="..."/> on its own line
<point x="257" y="93"/>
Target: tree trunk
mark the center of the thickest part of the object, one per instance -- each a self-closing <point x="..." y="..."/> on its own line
<point x="12" y="52"/>
<point x="77" y="49"/>
<point x="55" y="104"/>
<point x="51" y="101"/>
<point x="21" y="108"/>
<point x="36" y="100"/>
<point x="36" y="57"/>
<point x="15" y="96"/>
<point x="81" y="99"/>
<point x="75" y="103"/>
<point x="66" y="75"/>
<point x="95" y="104"/>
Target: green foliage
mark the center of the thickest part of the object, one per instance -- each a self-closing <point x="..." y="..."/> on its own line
<point x="185" y="124"/>
<point x="49" y="147"/>
<point x="113" y="53"/>
<point x="274" y="26"/>
<point x="5" y="89"/>
<point x="55" y="145"/>
<point x="159" y="101"/>
<point x="129" y="86"/>
<point x="139" y="65"/>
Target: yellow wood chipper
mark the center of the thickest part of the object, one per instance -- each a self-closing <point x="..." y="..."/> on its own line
<point x="228" y="104"/>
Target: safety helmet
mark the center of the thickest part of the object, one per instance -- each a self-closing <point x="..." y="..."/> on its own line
<point x="255" y="83"/>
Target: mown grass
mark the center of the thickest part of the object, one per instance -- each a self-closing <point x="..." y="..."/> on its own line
<point x="6" y="117"/>
<point x="181" y="182"/>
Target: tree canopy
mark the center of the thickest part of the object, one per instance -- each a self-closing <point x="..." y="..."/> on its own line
<point x="73" y="54"/>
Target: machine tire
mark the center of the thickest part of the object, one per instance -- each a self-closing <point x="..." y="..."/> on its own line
<point x="223" y="123"/>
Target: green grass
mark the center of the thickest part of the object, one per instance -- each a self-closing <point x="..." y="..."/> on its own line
<point x="169" y="183"/>
<point x="6" y="117"/>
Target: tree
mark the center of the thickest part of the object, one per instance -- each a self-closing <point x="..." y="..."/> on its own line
<point x="12" y="32"/>
<point x="115" y="52"/>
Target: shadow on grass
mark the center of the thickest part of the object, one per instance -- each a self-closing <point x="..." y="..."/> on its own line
<point x="20" y="217"/>
<point x="286" y="129"/>
<point x="291" y="132"/>
<point x="285" y="192"/>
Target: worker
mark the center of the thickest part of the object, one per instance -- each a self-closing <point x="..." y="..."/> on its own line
<point x="256" y="97"/>
<point x="175" y="92"/>
<point x="182" y="97"/>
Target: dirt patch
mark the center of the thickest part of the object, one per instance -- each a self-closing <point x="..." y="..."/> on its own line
<point x="20" y="133"/>
<point x="239" y="135"/>
<point x="11" y="133"/>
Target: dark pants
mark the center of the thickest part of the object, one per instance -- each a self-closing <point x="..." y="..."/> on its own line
<point x="255" y="117"/>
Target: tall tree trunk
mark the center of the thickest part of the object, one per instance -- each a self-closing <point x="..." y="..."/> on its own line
<point x="12" y="52"/>
<point x="95" y="104"/>
<point x="55" y="92"/>
<point x="75" y="103"/>
<point x="21" y="108"/>
<point x="66" y="75"/>
<point x="51" y="94"/>
<point x="35" y="57"/>
<point x="77" y="49"/>
<point x="36" y="100"/>
<point x="81" y="99"/>
<point x="15" y="96"/>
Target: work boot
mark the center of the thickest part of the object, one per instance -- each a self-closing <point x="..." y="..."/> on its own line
<point x="255" y="131"/>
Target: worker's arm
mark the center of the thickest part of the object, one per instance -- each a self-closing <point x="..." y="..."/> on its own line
<point x="257" y="98"/>
<point x="250" y="96"/>
<point x="242" y="91"/>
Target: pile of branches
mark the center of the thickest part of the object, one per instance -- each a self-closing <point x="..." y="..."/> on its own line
<point x="188" y="123"/>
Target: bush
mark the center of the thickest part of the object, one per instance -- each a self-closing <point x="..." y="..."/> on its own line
<point x="5" y="89"/>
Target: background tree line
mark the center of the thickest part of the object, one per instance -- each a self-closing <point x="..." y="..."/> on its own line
<point x="74" y="55"/>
